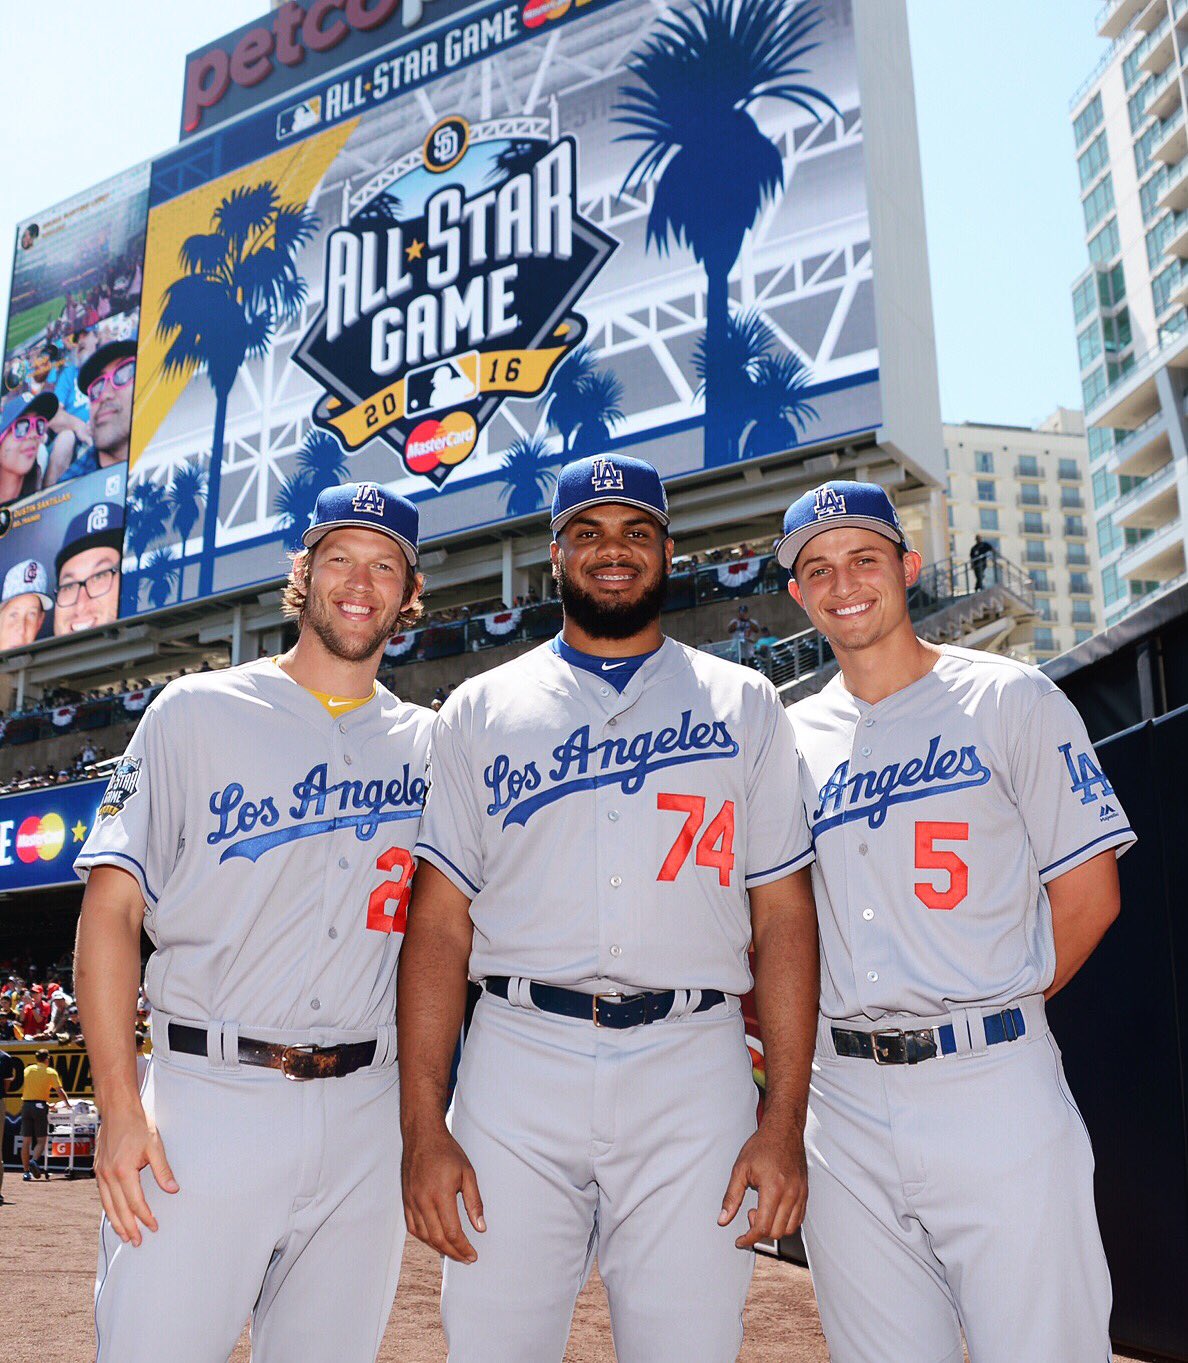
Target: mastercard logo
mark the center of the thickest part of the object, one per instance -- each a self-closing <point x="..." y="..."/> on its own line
<point x="447" y="441"/>
<point x="537" y="12"/>
<point x="40" y="837"/>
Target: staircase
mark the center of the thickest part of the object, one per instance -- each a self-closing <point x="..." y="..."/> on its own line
<point x="947" y="605"/>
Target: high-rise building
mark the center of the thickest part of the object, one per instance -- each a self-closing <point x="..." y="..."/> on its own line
<point x="1026" y="491"/>
<point x="1131" y="139"/>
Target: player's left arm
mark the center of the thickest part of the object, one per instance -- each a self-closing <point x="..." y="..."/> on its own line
<point x="787" y="988"/>
<point x="1084" y="901"/>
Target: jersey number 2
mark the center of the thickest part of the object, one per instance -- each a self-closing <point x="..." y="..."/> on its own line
<point x="716" y="846"/>
<point x="931" y="858"/>
<point x="381" y="918"/>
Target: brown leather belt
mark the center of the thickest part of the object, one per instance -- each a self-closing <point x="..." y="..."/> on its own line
<point x="294" y="1062"/>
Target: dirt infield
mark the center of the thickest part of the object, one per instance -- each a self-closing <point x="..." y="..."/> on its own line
<point x="48" y="1241"/>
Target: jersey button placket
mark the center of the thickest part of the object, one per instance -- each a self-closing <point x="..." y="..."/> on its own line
<point x="612" y="835"/>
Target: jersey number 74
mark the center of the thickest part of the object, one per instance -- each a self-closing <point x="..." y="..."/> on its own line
<point x="715" y="848"/>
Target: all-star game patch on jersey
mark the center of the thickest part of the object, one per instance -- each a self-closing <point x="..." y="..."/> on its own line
<point x="938" y="815"/>
<point x="272" y="841"/>
<point x="608" y="840"/>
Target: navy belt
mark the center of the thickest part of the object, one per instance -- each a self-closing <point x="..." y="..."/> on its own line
<point x="893" y="1046"/>
<point x="604" y="1010"/>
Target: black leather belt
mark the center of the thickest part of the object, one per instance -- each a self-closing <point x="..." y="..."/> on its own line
<point x="892" y="1046"/>
<point x="294" y="1062"/>
<point x="604" y="1010"/>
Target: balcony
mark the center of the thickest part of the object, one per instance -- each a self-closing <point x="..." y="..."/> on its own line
<point x="1153" y="503"/>
<point x="1114" y="16"/>
<point x="1173" y="140"/>
<point x="1032" y="503"/>
<point x="1023" y="470"/>
<point x="1133" y="397"/>
<point x="1161" y="48"/>
<point x="1157" y="558"/>
<point x="1152" y="13"/>
<point x="1164" y="97"/>
<point x="1177" y="243"/>
<point x="1077" y="556"/>
<point x="1175" y="191"/>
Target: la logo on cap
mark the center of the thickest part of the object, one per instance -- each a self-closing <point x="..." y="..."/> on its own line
<point x="605" y="477"/>
<point x="98" y="518"/>
<point x="369" y="499"/>
<point x="828" y="502"/>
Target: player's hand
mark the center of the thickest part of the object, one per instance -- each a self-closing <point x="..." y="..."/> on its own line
<point x="773" y="1163"/>
<point x="127" y="1142"/>
<point x="434" y="1170"/>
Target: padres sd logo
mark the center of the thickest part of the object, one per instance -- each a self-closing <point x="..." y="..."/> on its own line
<point x="449" y="290"/>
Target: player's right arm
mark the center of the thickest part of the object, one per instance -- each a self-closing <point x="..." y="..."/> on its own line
<point x="107" y="973"/>
<point x="430" y="1007"/>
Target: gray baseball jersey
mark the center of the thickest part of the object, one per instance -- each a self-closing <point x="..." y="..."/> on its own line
<point x="273" y="845"/>
<point x="938" y="815"/>
<point x="608" y="841"/>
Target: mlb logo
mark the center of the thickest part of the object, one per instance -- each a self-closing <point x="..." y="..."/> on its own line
<point x="828" y="501"/>
<point x="443" y="384"/>
<point x="605" y="477"/>
<point x="369" y="500"/>
<point x="298" y="117"/>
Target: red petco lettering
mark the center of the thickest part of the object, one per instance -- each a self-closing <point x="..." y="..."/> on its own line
<point x="294" y="32"/>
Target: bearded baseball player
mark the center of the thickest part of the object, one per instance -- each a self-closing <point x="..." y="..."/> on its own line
<point x="606" y="834"/>
<point x="260" y="827"/>
<point x="966" y="843"/>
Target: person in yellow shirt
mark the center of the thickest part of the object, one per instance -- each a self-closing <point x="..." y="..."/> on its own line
<point x="41" y="1082"/>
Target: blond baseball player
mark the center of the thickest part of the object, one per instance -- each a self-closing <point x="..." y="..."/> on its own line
<point x="260" y="828"/>
<point x="966" y="840"/>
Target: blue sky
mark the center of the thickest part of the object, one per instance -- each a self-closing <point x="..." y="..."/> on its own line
<point x="992" y="88"/>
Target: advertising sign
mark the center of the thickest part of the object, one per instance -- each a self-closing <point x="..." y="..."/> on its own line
<point x="524" y="233"/>
<point x="42" y="831"/>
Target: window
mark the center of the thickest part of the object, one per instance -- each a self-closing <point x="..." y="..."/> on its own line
<point x="1074" y="527"/>
<point x="1106" y="245"/>
<point x="1028" y="466"/>
<point x="1157" y="239"/>
<point x="1068" y="471"/>
<point x="1039" y="580"/>
<point x="986" y="492"/>
<point x="1163" y="285"/>
<point x="1093" y="387"/>
<point x="1093" y="160"/>
<point x="1089" y="344"/>
<point x="1108" y="538"/>
<point x="988" y="519"/>
<point x="951" y="514"/>
<point x="1136" y="107"/>
<point x="1044" y="641"/>
<point x="1084" y="298"/>
<point x="1098" y="202"/>
<point x="1070" y="498"/>
<point x="1089" y="119"/>
<point x="1044" y="608"/>
<point x="1033" y="523"/>
<point x="1082" y="612"/>
<point x="1116" y="331"/>
<point x="1030" y="494"/>
<point x="1111" y="286"/>
<point x="984" y="461"/>
<point x="1035" y="551"/>
<point x="1150" y="192"/>
<point x="1112" y="586"/>
<point x="1101" y="442"/>
<point x="1081" y="636"/>
<point x="1078" y="556"/>
<point x="1078" y="584"/>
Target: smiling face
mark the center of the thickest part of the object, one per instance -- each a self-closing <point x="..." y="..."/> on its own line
<point x="21" y="618"/>
<point x="92" y="570"/>
<point x="358" y="582"/>
<point x="111" y="409"/>
<point x="853" y="585"/>
<point x="611" y="563"/>
<point x="18" y="453"/>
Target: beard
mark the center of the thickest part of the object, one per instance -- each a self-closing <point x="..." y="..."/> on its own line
<point x="617" y="619"/>
<point x="319" y="616"/>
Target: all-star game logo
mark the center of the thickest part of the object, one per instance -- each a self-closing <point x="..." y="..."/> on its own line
<point x="449" y="290"/>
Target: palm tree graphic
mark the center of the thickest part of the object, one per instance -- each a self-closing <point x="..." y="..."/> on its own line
<point x="583" y="403"/>
<point x="713" y="168"/>
<point x="161" y="571"/>
<point x="241" y="283"/>
<point x="187" y="493"/>
<point x="321" y="464"/>
<point x="525" y="478"/>
<point x="599" y="409"/>
<point x="147" y="521"/>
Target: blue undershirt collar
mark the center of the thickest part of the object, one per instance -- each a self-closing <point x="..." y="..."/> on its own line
<point x="616" y="671"/>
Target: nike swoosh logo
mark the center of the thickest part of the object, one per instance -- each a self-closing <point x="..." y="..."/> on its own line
<point x="336" y="703"/>
<point x="610" y="667"/>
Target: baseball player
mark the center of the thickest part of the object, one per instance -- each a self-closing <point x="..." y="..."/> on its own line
<point x="966" y="841"/>
<point x="261" y="827"/>
<point x="606" y="833"/>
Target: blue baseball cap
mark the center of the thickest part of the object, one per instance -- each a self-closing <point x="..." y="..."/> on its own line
<point x="607" y="478"/>
<point x="21" y="404"/>
<point x="370" y="507"/>
<point x="832" y="506"/>
<point x="99" y="526"/>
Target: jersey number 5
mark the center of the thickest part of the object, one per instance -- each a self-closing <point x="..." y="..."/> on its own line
<point x="393" y="893"/>
<point x="931" y="858"/>
<point x="716" y="846"/>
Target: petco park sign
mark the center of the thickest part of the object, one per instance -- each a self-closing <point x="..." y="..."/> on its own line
<point x="304" y="41"/>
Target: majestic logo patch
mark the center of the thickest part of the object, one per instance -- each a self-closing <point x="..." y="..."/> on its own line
<point x="1087" y="778"/>
<point x="605" y="477"/>
<point x="828" y="502"/>
<point x="449" y="290"/>
<point x="1107" y="812"/>
<point x="121" y="788"/>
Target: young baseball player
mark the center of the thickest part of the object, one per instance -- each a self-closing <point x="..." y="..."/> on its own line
<point x="260" y="827"/>
<point x="966" y="841"/>
<point x="607" y="832"/>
